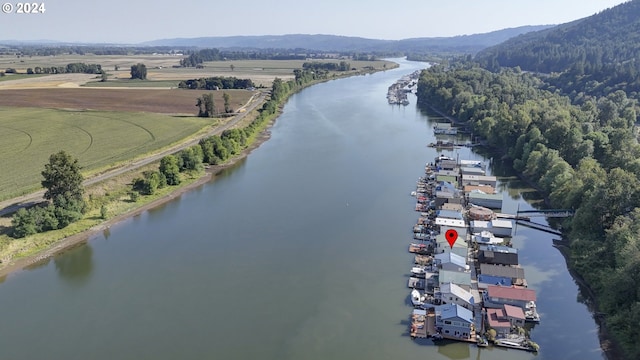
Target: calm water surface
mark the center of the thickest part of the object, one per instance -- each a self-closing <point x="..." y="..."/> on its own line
<point x="298" y="252"/>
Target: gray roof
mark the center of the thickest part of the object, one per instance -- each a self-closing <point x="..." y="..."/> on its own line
<point x="501" y="270"/>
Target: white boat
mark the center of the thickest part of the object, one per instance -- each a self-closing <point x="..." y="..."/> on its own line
<point x="445" y="128"/>
<point x="531" y="314"/>
<point x="419" y="271"/>
<point x="417" y="299"/>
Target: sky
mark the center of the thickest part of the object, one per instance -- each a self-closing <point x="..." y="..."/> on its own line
<point x="134" y="21"/>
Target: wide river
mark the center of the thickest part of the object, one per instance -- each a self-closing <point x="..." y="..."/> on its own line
<point x="298" y="252"/>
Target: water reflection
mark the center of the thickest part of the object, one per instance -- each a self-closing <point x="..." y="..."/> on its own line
<point x="454" y="350"/>
<point x="75" y="265"/>
<point x="38" y="264"/>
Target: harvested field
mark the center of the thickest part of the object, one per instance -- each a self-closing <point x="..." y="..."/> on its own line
<point x="22" y="81"/>
<point x="163" y="101"/>
<point x="99" y="139"/>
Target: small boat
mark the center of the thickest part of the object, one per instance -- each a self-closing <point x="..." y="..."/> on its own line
<point x="481" y="341"/>
<point x="531" y="314"/>
<point x="419" y="271"/>
<point x="521" y="345"/>
<point x="417" y="299"/>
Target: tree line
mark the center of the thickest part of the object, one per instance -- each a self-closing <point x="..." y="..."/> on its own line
<point x="56" y="50"/>
<point x="195" y="58"/>
<point x="583" y="156"/>
<point x="327" y="66"/>
<point x="75" y="68"/>
<point x="215" y="83"/>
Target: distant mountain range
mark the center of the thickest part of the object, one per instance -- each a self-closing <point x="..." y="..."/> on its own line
<point x="457" y="44"/>
<point x="466" y="44"/>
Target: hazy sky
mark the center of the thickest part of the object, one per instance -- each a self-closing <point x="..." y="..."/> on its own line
<point x="133" y="21"/>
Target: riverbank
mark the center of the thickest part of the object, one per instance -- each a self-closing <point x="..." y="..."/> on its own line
<point x="84" y="236"/>
<point x="58" y="246"/>
<point x="610" y="347"/>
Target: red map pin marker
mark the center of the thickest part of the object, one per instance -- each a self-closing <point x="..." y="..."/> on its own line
<point x="451" y="236"/>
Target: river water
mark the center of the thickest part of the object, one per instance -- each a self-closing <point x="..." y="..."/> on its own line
<point x="297" y="252"/>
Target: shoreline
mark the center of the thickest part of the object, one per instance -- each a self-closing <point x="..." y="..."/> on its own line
<point x="83" y="237"/>
<point x="210" y="173"/>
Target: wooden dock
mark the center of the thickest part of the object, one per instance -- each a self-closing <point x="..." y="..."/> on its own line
<point x="422" y="249"/>
<point x="512" y="217"/>
<point x="422" y="325"/>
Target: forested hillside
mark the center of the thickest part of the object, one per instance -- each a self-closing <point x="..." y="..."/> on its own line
<point x="595" y="55"/>
<point x="583" y="157"/>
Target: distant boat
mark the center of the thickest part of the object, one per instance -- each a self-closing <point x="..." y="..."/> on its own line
<point x="445" y="128"/>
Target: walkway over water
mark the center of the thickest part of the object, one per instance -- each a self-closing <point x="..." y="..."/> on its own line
<point x="549" y="213"/>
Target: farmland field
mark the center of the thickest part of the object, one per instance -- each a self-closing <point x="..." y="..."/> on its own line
<point x="160" y="68"/>
<point x="164" y="101"/>
<point x="99" y="139"/>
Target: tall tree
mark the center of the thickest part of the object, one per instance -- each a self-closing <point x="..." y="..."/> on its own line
<point x="227" y="102"/>
<point x="206" y="107"/>
<point x="171" y="170"/>
<point x="62" y="177"/>
<point x="139" y="71"/>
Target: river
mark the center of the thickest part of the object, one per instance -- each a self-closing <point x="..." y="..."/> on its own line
<point x="297" y="252"/>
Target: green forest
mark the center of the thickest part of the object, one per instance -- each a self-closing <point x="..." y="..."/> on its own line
<point x="596" y="55"/>
<point x="584" y="157"/>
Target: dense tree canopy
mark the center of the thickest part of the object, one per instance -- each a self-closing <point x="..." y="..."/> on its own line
<point x="62" y="177"/>
<point x="216" y="83"/>
<point x="139" y="71"/>
<point x="596" y="55"/>
<point x="63" y="182"/>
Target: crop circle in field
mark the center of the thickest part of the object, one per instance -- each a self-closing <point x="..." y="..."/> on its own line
<point x="16" y="139"/>
<point x="90" y="139"/>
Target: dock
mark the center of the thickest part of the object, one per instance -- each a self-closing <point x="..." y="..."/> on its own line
<point x="397" y="92"/>
<point x="416" y="283"/>
<point x="423" y="324"/>
<point x="457" y="276"/>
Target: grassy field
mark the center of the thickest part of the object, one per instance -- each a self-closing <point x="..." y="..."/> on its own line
<point x="98" y="139"/>
<point x="10" y="77"/>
